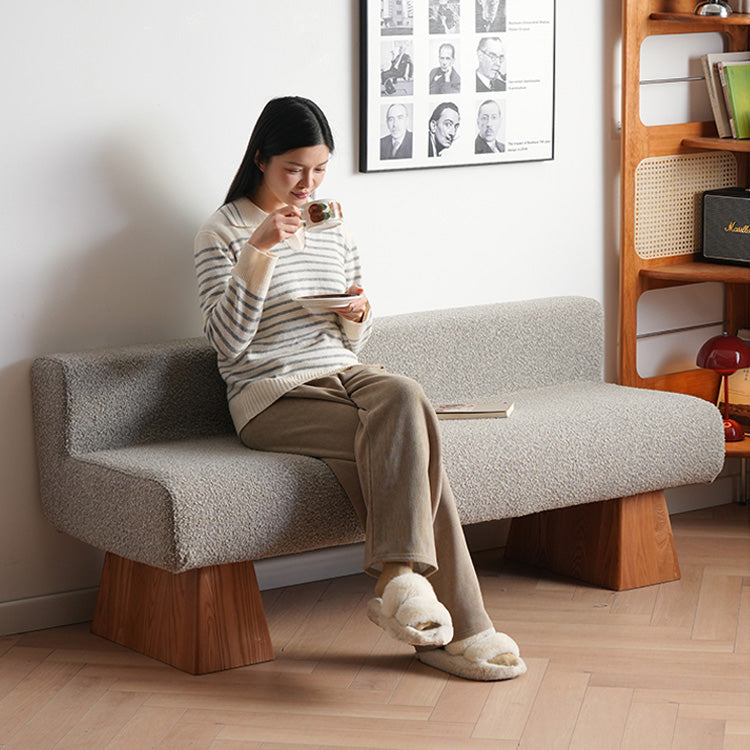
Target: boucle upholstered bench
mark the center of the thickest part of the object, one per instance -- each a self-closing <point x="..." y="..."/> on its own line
<point x="137" y="457"/>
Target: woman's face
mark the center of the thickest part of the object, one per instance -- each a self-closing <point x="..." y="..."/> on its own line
<point x="291" y="177"/>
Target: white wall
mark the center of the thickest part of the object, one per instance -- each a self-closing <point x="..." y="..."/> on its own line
<point x="124" y="123"/>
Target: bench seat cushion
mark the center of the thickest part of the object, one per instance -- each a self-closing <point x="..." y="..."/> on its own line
<point x="579" y="443"/>
<point x="190" y="503"/>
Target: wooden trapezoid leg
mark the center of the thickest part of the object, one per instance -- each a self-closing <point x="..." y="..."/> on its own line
<point x="619" y="544"/>
<point x="202" y="620"/>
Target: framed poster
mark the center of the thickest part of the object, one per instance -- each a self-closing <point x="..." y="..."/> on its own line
<point x="456" y="82"/>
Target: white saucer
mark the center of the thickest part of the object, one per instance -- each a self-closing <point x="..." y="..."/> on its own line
<point x="318" y="303"/>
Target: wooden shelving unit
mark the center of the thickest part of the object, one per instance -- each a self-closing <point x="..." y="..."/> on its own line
<point x="705" y="21"/>
<point x="695" y="272"/>
<point x="641" y="19"/>
<point x="717" y="144"/>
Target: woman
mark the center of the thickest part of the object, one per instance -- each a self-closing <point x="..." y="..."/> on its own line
<point x="295" y="385"/>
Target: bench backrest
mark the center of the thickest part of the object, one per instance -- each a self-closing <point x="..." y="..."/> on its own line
<point x="491" y="350"/>
<point x="109" y="398"/>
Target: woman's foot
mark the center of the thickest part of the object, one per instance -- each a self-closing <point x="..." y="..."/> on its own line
<point x="394" y="570"/>
<point x="390" y="571"/>
<point x="488" y="655"/>
<point x="409" y="610"/>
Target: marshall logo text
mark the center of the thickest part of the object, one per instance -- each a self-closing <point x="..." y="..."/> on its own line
<point x="736" y="229"/>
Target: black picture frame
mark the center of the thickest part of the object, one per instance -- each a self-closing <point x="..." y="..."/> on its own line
<point x="456" y="83"/>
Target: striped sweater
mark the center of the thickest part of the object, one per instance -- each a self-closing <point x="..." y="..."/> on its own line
<point x="266" y="343"/>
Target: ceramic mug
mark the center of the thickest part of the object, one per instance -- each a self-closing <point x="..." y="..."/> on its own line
<point x="321" y="213"/>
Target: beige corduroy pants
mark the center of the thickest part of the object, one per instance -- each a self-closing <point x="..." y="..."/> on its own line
<point x="380" y="436"/>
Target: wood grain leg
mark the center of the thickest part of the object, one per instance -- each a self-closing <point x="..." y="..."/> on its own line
<point x="202" y="620"/>
<point x="619" y="544"/>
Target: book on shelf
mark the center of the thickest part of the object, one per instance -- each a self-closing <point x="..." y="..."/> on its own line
<point x="484" y="409"/>
<point x="716" y="97"/>
<point x="735" y="80"/>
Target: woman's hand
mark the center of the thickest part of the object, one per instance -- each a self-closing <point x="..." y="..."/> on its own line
<point x="357" y="308"/>
<point x="276" y="227"/>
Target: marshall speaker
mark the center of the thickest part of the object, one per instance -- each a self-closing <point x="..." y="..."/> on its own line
<point x="726" y="226"/>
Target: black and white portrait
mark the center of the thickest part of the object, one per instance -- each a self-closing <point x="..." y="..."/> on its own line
<point x="445" y="16"/>
<point x="398" y="141"/>
<point x="397" y="68"/>
<point x="490" y="72"/>
<point x="444" y="78"/>
<point x="443" y="128"/>
<point x="490" y="138"/>
<point x="490" y="16"/>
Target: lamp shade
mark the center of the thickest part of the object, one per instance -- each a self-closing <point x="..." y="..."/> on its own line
<point x="724" y="354"/>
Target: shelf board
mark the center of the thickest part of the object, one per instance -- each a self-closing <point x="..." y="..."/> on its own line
<point x="698" y="271"/>
<point x="736" y="19"/>
<point x="718" y="144"/>
<point x="738" y="449"/>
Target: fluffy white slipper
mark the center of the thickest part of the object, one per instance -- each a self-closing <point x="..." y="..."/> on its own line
<point x="408" y="601"/>
<point x="469" y="658"/>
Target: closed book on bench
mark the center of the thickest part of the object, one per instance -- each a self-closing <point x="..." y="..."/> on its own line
<point x="485" y="409"/>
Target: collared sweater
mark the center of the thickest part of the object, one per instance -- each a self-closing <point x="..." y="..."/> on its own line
<point x="266" y="342"/>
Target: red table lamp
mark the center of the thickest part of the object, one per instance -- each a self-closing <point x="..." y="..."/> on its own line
<point x="726" y="354"/>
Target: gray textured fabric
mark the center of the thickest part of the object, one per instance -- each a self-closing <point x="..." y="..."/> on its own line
<point x="487" y="350"/>
<point x="140" y="394"/>
<point x="225" y="503"/>
<point x="580" y="442"/>
<point x="137" y="454"/>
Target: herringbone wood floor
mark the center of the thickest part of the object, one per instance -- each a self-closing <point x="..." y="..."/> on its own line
<point x="663" y="667"/>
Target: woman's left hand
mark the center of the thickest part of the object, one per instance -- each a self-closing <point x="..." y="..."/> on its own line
<point x="356" y="309"/>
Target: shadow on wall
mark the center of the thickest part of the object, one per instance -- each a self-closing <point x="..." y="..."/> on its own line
<point x="137" y="285"/>
<point x="119" y="270"/>
<point x="34" y="559"/>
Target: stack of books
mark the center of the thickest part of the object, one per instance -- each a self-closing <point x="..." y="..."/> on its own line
<point x="728" y="80"/>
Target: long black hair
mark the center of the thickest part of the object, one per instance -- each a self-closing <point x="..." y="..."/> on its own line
<point x="285" y="123"/>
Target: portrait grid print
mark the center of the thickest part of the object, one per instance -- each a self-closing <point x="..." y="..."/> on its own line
<point x="455" y="82"/>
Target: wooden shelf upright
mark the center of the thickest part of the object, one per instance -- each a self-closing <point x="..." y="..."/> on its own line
<point x="641" y="19"/>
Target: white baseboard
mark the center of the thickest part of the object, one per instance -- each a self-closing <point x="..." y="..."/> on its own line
<point x="50" y="611"/>
<point x="290" y="570"/>
<point x="68" y="607"/>
<point x="724" y="489"/>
